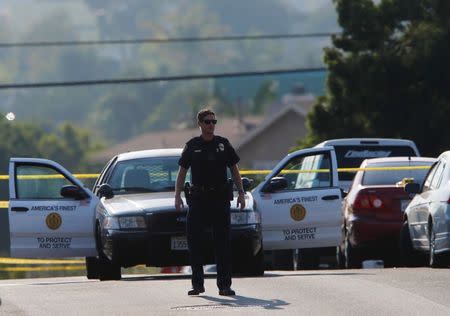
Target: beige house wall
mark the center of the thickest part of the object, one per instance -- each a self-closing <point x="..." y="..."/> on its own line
<point x="273" y="143"/>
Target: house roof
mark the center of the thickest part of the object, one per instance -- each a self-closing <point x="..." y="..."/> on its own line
<point x="230" y="128"/>
<point x="301" y="110"/>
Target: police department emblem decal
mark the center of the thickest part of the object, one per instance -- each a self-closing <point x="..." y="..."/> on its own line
<point x="53" y="221"/>
<point x="221" y="147"/>
<point x="298" y="212"/>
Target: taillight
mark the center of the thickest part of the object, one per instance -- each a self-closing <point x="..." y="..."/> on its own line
<point x="361" y="201"/>
<point x="376" y="201"/>
<point x="364" y="202"/>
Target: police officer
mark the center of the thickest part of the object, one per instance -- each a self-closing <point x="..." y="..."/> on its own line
<point x="208" y="156"/>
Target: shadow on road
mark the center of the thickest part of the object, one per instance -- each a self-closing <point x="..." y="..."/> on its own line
<point x="178" y="276"/>
<point x="307" y="274"/>
<point x="181" y="276"/>
<point x="237" y="301"/>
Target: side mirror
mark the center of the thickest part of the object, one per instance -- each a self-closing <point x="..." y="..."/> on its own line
<point x="73" y="192"/>
<point x="412" y="188"/>
<point x="344" y="193"/>
<point x="276" y="183"/>
<point x="247" y="183"/>
<point x="106" y="191"/>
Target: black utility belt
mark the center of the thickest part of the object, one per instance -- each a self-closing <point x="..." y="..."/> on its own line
<point x="206" y="189"/>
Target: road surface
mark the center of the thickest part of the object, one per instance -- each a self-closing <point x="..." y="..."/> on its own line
<point x="419" y="291"/>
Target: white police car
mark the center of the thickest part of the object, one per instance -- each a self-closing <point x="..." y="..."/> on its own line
<point x="300" y="206"/>
<point x="128" y="219"/>
<point x="351" y="152"/>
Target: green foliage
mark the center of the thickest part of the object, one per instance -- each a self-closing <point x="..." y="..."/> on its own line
<point x="68" y="145"/>
<point x="265" y="95"/>
<point x="388" y="74"/>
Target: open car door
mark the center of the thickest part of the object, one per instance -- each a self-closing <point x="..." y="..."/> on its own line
<point x="300" y="201"/>
<point x="51" y="213"/>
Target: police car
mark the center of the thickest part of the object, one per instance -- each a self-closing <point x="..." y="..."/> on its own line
<point x="300" y="206"/>
<point x="351" y="152"/>
<point x="300" y="200"/>
<point x="128" y="219"/>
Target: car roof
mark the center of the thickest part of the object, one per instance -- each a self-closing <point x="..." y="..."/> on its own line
<point x="444" y="155"/>
<point x="366" y="141"/>
<point x="151" y="153"/>
<point x="394" y="160"/>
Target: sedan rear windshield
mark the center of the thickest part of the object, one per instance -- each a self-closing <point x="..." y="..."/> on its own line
<point x="353" y="156"/>
<point x="386" y="177"/>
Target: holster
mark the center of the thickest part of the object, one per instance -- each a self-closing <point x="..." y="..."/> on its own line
<point x="188" y="193"/>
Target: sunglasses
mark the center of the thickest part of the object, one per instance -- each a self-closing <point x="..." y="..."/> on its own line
<point x="210" y="121"/>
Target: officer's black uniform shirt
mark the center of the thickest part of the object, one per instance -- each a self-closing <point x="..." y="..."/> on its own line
<point x="208" y="160"/>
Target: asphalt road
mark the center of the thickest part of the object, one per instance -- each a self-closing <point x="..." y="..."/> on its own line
<point x="420" y="291"/>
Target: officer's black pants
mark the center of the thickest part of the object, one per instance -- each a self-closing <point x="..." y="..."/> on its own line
<point x="209" y="213"/>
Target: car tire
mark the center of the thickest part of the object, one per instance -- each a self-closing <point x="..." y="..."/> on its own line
<point x="92" y="268"/>
<point x="108" y="270"/>
<point x="308" y="259"/>
<point x="409" y="257"/>
<point x="283" y="259"/>
<point x="340" y="258"/>
<point x="435" y="260"/>
<point x="254" y="266"/>
<point x="352" y="256"/>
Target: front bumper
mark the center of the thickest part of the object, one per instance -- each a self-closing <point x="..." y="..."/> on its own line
<point x="153" y="247"/>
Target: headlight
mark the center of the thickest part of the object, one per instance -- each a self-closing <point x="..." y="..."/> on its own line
<point x="132" y="222"/>
<point x="244" y="218"/>
<point x="110" y="222"/>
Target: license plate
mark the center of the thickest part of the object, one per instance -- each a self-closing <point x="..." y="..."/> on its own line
<point x="179" y="243"/>
<point x="404" y="204"/>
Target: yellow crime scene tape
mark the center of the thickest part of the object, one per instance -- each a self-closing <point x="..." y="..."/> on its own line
<point x="49" y="268"/>
<point x="4" y="204"/>
<point x="23" y="265"/>
<point x="40" y="261"/>
<point x="244" y="172"/>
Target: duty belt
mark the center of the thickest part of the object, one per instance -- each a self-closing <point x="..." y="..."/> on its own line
<point x="205" y="189"/>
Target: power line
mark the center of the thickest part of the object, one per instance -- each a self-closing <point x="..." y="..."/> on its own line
<point x="153" y="79"/>
<point x="163" y="40"/>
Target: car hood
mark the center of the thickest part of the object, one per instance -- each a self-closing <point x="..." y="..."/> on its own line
<point x="152" y="202"/>
<point x="140" y="203"/>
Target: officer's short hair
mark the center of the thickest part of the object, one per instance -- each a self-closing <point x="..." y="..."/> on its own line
<point x="203" y="113"/>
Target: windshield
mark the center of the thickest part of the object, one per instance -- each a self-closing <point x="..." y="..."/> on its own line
<point x="145" y="175"/>
<point x="353" y="156"/>
<point x="386" y="177"/>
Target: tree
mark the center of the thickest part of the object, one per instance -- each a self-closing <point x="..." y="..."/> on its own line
<point x="265" y="95"/>
<point x="68" y="145"/>
<point x="388" y="74"/>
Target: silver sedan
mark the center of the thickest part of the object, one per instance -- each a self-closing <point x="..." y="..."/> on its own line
<point x="425" y="235"/>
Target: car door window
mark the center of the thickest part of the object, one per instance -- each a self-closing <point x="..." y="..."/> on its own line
<point x="39" y="182"/>
<point x="435" y="182"/>
<point x="103" y="175"/>
<point x="429" y="178"/>
<point x="307" y="171"/>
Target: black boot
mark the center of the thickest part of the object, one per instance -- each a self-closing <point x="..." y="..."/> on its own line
<point x="196" y="290"/>
<point x="227" y="292"/>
